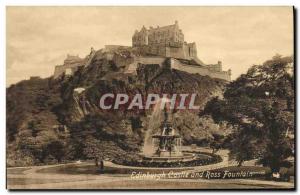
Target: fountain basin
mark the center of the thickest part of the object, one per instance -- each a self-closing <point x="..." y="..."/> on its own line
<point x="168" y="158"/>
<point x="189" y="159"/>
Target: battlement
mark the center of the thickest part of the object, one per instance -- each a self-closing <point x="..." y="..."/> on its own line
<point x="198" y="69"/>
<point x="72" y="63"/>
<point x="189" y="66"/>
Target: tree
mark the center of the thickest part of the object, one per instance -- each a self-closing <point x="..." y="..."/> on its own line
<point x="278" y="147"/>
<point x="95" y="137"/>
<point x="55" y="148"/>
<point x="259" y="104"/>
<point x="92" y="149"/>
<point x="99" y="150"/>
<point x="244" y="144"/>
<point x="216" y="142"/>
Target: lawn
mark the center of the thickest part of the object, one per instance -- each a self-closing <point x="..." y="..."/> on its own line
<point x="84" y="168"/>
<point x="17" y="171"/>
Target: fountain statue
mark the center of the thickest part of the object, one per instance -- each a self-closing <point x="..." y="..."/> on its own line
<point x="164" y="148"/>
<point x="166" y="144"/>
<point x="169" y="143"/>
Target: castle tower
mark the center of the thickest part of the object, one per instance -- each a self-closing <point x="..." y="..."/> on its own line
<point x="220" y="65"/>
<point x="140" y="38"/>
<point x="144" y="36"/>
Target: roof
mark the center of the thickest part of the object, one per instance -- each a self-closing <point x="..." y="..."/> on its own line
<point x="162" y="28"/>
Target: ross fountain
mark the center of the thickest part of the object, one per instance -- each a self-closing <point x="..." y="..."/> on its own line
<point x="162" y="144"/>
<point x="167" y="143"/>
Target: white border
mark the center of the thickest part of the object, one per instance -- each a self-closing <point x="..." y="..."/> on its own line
<point x="153" y="2"/>
<point x="5" y="3"/>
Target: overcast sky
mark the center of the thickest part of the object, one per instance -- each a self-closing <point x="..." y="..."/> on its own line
<point x="38" y="38"/>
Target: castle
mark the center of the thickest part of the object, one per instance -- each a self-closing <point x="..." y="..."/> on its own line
<point x="165" y="41"/>
<point x="160" y="45"/>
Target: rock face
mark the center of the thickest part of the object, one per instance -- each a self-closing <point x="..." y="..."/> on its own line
<point x="51" y="110"/>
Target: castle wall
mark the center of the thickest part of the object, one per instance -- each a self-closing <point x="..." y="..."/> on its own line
<point x="71" y="64"/>
<point x="191" y="50"/>
<point x="58" y="71"/>
<point x="202" y="70"/>
<point x="115" y="47"/>
<point x="225" y="75"/>
<point x="156" y="50"/>
<point x="61" y="69"/>
<point x="108" y="56"/>
<point x="176" y="64"/>
<point x="214" y="67"/>
<point x="122" y="61"/>
<point x="175" y="52"/>
<point x="152" y="50"/>
<point x="187" y="51"/>
<point x="151" y="60"/>
<point x="144" y="60"/>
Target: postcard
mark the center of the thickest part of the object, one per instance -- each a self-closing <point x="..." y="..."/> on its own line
<point x="150" y="98"/>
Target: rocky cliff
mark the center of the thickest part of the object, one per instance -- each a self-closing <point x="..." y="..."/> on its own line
<point x="64" y="113"/>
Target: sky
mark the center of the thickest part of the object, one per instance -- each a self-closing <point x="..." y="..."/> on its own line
<point x="39" y="38"/>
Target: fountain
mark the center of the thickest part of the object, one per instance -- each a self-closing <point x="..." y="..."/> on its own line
<point x="163" y="145"/>
<point x="167" y="143"/>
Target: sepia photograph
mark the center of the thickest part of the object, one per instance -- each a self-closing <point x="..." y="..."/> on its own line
<point x="150" y="98"/>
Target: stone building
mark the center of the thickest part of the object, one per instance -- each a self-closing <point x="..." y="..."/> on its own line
<point x="169" y="35"/>
<point x="72" y="63"/>
<point x="167" y="41"/>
